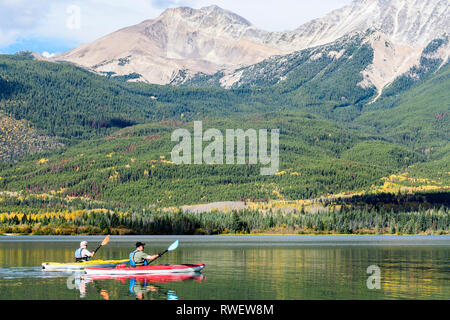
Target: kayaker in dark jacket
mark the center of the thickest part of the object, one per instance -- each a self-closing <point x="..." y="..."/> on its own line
<point x="139" y="258"/>
<point x="82" y="254"/>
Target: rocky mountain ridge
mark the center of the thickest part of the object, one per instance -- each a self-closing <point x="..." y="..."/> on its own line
<point x="184" y="42"/>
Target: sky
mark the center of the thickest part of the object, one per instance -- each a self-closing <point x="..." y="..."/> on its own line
<point x="54" y="26"/>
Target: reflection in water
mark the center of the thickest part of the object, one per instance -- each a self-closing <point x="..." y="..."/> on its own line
<point x="104" y="294"/>
<point x="140" y="285"/>
<point x="81" y="286"/>
<point x="171" y="295"/>
<point x="291" y="270"/>
<point x="29" y="272"/>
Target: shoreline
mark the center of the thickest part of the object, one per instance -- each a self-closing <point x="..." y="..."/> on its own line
<point x="253" y="235"/>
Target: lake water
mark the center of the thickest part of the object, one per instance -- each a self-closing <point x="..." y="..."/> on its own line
<point x="238" y="268"/>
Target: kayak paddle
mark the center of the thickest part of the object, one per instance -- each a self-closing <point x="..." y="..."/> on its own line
<point x="172" y="247"/>
<point x="104" y="243"/>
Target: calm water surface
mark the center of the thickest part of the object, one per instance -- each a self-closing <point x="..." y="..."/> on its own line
<point x="238" y="267"/>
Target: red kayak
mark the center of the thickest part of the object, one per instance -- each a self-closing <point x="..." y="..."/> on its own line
<point x="151" y="269"/>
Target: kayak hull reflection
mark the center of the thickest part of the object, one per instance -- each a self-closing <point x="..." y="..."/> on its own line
<point x="154" y="278"/>
<point x="151" y="269"/>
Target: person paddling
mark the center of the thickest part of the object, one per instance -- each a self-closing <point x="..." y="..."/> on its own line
<point x="82" y="254"/>
<point x="139" y="258"/>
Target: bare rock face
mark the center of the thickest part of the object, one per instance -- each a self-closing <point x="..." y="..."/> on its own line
<point x="412" y="22"/>
<point x="184" y="41"/>
<point x="203" y="40"/>
<point x="404" y="28"/>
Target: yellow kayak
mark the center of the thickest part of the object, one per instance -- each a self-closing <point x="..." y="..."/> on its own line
<point x="81" y="265"/>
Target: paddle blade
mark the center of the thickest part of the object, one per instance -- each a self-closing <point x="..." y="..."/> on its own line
<point x="105" y="241"/>
<point x="173" y="246"/>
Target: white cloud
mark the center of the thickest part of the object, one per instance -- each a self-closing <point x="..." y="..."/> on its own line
<point x="51" y="19"/>
<point x="48" y="55"/>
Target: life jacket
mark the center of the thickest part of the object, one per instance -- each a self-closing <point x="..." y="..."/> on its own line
<point x="79" y="257"/>
<point x="132" y="262"/>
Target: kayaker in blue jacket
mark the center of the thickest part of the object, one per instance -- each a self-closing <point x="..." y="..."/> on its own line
<point x="139" y="258"/>
<point x="82" y="254"/>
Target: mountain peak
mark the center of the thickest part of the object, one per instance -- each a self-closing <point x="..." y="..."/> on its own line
<point x="411" y="21"/>
<point x="211" y="38"/>
<point x="198" y="40"/>
<point x="213" y="7"/>
<point x="178" y="10"/>
<point x="210" y="15"/>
